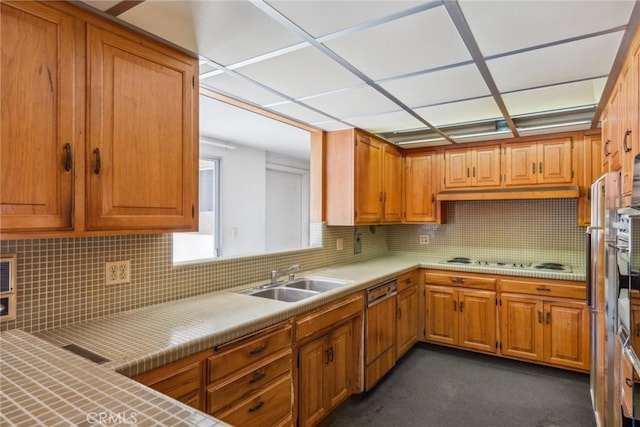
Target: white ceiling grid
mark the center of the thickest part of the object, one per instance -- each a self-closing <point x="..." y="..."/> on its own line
<point x="390" y="66"/>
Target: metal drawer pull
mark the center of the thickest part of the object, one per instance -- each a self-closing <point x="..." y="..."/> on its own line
<point x="457" y="280"/>
<point x="257" y="350"/>
<point x="98" y="166"/>
<point x="257" y="376"/>
<point x="67" y="157"/>
<point x="543" y="289"/>
<point x="624" y="141"/>
<point x="607" y="153"/>
<point x="258" y="406"/>
<point x="628" y="382"/>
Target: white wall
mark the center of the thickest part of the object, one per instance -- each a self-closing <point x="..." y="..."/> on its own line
<point x="242" y="199"/>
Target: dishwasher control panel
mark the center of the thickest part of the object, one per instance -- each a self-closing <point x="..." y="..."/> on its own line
<point x="381" y="292"/>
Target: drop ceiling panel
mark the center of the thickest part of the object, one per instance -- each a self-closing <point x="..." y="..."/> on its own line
<point x="418" y="42"/>
<point x="504" y="26"/>
<point x="441" y="86"/>
<point x="241" y="89"/>
<point x="461" y="112"/>
<point x="331" y="126"/>
<point x="171" y="20"/>
<point x="224" y="31"/>
<point x="320" y="18"/>
<point x="307" y="71"/>
<point x="399" y="120"/>
<point x="555" y="97"/>
<point x="562" y="63"/>
<point x="299" y="113"/>
<point x="363" y="101"/>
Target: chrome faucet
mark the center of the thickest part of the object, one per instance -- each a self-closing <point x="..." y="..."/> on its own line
<point x="275" y="274"/>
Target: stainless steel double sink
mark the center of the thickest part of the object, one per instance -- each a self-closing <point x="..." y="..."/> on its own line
<point x="295" y="290"/>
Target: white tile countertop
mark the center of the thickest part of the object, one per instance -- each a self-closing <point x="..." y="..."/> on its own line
<point x="44" y="385"/>
<point x="139" y="340"/>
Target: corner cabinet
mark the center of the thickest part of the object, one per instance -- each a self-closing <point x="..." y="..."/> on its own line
<point x="364" y="179"/>
<point x="420" y="187"/>
<point x="100" y="131"/>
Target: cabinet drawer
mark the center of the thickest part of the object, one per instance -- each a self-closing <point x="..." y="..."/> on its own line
<point x="575" y="290"/>
<point x="265" y="409"/>
<point x="183" y="385"/>
<point x="407" y="280"/>
<point x="247" y="353"/>
<point x="462" y="280"/>
<point x="247" y="382"/>
<point x="329" y="315"/>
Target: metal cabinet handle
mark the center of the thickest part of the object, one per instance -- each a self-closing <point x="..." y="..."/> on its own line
<point x="548" y="317"/>
<point x="533" y="168"/>
<point x="474" y="171"/>
<point x="606" y="151"/>
<point x="628" y="382"/>
<point x="540" y="168"/>
<point x="543" y="289"/>
<point x="455" y="306"/>
<point x="399" y="314"/>
<point x="460" y="306"/>
<point x="258" y="406"/>
<point x="331" y="354"/>
<point x="457" y="280"/>
<point x="539" y="316"/>
<point x="257" y="376"/>
<point x="433" y="197"/>
<point x="624" y="141"/>
<point x="68" y="164"/>
<point x="98" y="165"/>
<point x="257" y="350"/>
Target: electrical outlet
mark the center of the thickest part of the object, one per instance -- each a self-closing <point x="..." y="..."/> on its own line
<point x="339" y="244"/>
<point x="424" y="239"/>
<point x="117" y="272"/>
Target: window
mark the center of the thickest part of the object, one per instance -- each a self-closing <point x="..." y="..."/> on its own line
<point x="205" y="243"/>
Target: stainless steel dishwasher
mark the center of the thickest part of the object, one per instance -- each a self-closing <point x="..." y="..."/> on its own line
<point x="380" y="331"/>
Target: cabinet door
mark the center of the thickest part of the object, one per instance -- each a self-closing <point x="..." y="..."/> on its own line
<point x="606" y="140"/>
<point x="407" y="320"/>
<point x="368" y="180"/>
<point x="441" y="315"/>
<point x="521" y="327"/>
<point x="420" y="184"/>
<point x="614" y="127"/>
<point x="485" y="169"/>
<point x="338" y="370"/>
<point x="566" y="332"/>
<point x="624" y="131"/>
<point x="555" y="164"/>
<point x="456" y="168"/>
<point x="312" y="359"/>
<point x="141" y="144"/>
<point x="521" y="164"/>
<point x="477" y="320"/>
<point x="392" y="184"/>
<point x="40" y="111"/>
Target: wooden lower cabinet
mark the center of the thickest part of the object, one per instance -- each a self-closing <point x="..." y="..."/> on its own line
<point x="329" y="358"/>
<point x="182" y="380"/>
<point x="461" y="317"/>
<point x="550" y="331"/>
<point x="407" y="320"/>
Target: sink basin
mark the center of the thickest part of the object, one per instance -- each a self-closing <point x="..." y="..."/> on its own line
<point x="318" y="285"/>
<point x="282" y="293"/>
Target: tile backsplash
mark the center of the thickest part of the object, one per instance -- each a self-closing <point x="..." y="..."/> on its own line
<point x="61" y="281"/>
<point x="512" y="230"/>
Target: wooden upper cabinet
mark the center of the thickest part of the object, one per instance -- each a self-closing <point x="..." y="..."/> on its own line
<point x="475" y="167"/>
<point x="40" y="114"/>
<point x="141" y="146"/>
<point x="391" y="184"/>
<point x="368" y="180"/>
<point x="420" y="187"/>
<point x="614" y="124"/>
<point x="363" y="179"/>
<point x="542" y="162"/>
